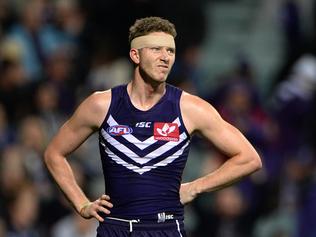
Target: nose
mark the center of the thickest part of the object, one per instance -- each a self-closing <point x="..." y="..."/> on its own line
<point x="164" y="55"/>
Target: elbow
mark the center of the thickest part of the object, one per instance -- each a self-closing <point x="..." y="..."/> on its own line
<point x="48" y="154"/>
<point x="256" y="163"/>
<point x="53" y="157"/>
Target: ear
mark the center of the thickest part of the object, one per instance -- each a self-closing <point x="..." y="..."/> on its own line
<point x="134" y="55"/>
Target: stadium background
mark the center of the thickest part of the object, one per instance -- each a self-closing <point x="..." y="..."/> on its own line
<point x="254" y="60"/>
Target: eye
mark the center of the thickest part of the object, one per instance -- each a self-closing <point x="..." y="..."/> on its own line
<point x="171" y="51"/>
<point x="155" y="49"/>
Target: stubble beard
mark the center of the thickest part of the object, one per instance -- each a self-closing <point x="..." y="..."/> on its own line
<point x="155" y="81"/>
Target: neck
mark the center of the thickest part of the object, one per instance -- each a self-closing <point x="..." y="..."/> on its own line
<point x="143" y="94"/>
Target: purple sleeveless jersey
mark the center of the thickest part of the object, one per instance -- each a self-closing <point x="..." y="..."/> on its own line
<point x="143" y="156"/>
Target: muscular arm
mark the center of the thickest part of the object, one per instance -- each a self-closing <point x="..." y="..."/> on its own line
<point x="86" y="119"/>
<point x="199" y="116"/>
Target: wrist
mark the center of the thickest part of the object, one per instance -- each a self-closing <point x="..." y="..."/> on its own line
<point x="83" y="206"/>
<point x="197" y="187"/>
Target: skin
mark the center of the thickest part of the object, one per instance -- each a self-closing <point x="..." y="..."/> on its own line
<point x="145" y="90"/>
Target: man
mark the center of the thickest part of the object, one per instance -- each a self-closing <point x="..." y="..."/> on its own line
<point x="144" y="135"/>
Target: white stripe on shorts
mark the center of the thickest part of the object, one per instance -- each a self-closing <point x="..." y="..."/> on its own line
<point x="178" y="227"/>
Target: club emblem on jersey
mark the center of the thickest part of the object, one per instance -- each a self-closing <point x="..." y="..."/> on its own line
<point x="166" y="131"/>
<point x="119" y="130"/>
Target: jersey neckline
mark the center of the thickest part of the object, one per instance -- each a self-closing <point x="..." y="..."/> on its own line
<point x="130" y="104"/>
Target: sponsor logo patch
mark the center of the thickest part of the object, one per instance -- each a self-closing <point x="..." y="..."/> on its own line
<point x="119" y="130"/>
<point x="166" y="131"/>
<point x="162" y="217"/>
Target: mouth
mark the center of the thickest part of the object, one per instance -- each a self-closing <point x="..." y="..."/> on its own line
<point x="163" y="67"/>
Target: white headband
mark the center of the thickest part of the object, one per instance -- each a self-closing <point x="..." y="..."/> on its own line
<point x="153" y="40"/>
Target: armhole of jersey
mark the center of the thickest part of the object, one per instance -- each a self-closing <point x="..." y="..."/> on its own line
<point x="108" y="112"/>
<point x="180" y="114"/>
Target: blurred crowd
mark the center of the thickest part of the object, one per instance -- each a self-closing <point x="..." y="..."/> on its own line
<point x="53" y="53"/>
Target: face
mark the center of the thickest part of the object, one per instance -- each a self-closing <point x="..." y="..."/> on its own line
<point x="155" y="62"/>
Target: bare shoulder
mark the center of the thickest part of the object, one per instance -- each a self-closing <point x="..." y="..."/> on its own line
<point x="193" y="102"/>
<point x="99" y="101"/>
<point x="94" y="108"/>
<point x="197" y="112"/>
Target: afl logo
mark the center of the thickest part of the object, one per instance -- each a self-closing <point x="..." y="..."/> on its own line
<point x="119" y="130"/>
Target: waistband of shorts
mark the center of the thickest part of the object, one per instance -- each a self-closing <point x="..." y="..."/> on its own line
<point x="137" y="224"/>
<point x="160" y="217"/>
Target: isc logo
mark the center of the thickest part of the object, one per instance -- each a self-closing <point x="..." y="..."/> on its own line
<point x="119" y="130"/>
<point x="162" y="217"/>
<point x="143" y="125"/>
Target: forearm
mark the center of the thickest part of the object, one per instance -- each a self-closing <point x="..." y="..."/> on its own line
<point x="230" y="172"/>
<point x="62" y="173"/>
